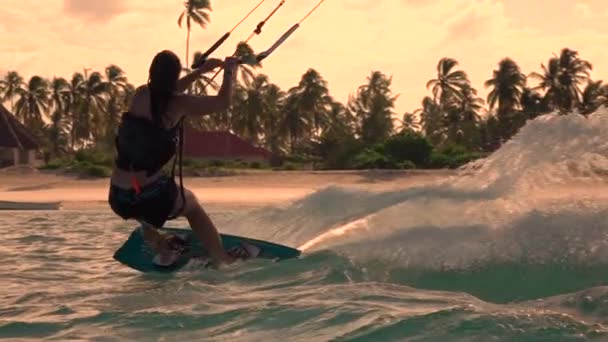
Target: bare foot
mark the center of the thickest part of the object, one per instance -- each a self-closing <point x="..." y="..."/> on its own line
<point x="166" y="259"/>
<point x="167" y="249"/>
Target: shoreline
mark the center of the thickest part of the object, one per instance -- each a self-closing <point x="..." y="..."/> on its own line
<point x="244" y="188"/>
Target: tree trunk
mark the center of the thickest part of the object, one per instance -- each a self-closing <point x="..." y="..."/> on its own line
<point x="187" y="47"/>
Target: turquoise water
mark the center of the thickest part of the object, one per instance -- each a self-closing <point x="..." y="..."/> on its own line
<point x="515" y="249"/>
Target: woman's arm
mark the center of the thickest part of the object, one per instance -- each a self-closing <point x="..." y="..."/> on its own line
<point x="185" y="82"/>
<point x="204" y="104"/>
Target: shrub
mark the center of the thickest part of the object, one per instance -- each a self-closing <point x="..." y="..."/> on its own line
<point x="192" y="163"/>
<point x="406" y="165"/>
<point x="258" y="165"/>
<point x="339" y="154"/>
<point x="440" y="161"/>
<point x="452" y="156"/>
<point x="55" y="164"/>
<point x="95" y="156"/>
<point x="371" y="159"/>
<point x="214" y="171"/>
<point x="408" y="146"/>
<point x="290" y="166"/>
<point x="97" y="171"/>
<point x="86" y="169"/>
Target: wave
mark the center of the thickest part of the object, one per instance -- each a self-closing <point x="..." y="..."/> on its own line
<point x="531" y="215"/>
<point x="550" y="150"/>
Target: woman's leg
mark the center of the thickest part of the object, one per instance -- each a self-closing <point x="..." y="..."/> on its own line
<point x="151" y="236"/>
<point x="202" y="226"/>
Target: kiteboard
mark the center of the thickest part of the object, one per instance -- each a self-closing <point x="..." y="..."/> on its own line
<point x="136" y="254"/>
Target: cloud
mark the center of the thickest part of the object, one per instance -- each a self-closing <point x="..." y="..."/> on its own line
<point x="94" y="10"/>
<point x="470" y="26"/>
<point x="583" y="10"/>
<point x="478" y="22"/>
<point x="418" y="3"/>
<point x="361" y="5"/>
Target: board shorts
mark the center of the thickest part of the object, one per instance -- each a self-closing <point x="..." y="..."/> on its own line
<point x="152" y="205"/>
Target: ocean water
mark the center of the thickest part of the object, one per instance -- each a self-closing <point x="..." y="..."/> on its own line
<point x="513" y="249"/>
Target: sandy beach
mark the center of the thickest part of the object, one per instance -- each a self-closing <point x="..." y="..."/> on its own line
<point x="249" y="187"/>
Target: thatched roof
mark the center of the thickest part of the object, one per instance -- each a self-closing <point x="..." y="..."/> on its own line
<point x="13" y="133"/>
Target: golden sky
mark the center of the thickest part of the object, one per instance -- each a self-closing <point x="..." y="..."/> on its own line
<point x="344" y="39"/>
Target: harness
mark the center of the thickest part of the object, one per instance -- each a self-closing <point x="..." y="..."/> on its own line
<point x="145" y="146"/>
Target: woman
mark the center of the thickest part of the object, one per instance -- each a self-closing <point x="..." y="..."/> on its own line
<point x="146" y="141"/>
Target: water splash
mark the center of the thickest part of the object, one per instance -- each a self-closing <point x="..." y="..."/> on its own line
<point x="537" y="207"/>
<point x="549" y="150"/>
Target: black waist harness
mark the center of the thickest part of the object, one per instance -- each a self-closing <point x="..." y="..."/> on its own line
<point x="143" y="145"/>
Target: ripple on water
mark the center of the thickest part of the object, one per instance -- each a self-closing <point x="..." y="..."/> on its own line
<point x="59" y="281"/>
<point x="30" y="329"/>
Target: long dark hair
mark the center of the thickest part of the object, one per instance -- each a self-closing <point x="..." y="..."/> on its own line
<point x="162" y="80"/>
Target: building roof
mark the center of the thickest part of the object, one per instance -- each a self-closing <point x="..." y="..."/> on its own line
<point x="13" y="133"/>
<point x="214" y="144"/>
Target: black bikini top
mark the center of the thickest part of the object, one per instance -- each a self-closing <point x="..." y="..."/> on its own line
<point x="143" y="145"/>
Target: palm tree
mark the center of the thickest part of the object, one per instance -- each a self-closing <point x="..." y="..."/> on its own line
<point x="532" y="103"/>
<point x="574" y="72"/>
<point x="452" y="121"/>
<point x="409" y="122"/>
<point x="448" y="83"/>
<point x="11" y="85"/>
<point x="197" y="11"/>
<point x="94" y="101"/>
<point x="314" y="100"/>
<point x="33" y="102"/>
<point x="87" y="103"/>
<point x="57" y="129"/>
<point x="127" y="95"/>
<point x="471" y="105"/>
<point x="72" y="108"/>
<point x="249" y="111"/>
<point x="115" y="84"/>
<point x="57" y="133"/>
<point x="431" y="120"/>
<point x="340" y="118"/>
<point x="272" y="118"/>
<point x="548" y="82"/>
<point x="338" y="143"/>
<point x="245" y="70"/>
<point x="604" y="95"/>
<point x="59" y="89"/>
<point x="471" y="108"/>
<point x="294" y="125"/>
<point x="373" y="107"/>
<point x="592" y="97"/>
<point x="246" y="53"/>
<point x="507" y="86"/>
<point x="200" y="85"/>
<point x="489" y="134"/>
<point x="562" y="78"/>
<point x="222" y="121"/>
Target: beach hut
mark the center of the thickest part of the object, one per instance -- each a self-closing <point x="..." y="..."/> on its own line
<point x="221" y="145"/>
<point x="17" y="145"/>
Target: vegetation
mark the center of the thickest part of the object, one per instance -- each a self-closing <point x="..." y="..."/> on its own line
<point x="305" y="125"/>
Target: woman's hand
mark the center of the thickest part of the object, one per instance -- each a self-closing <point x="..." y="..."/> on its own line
<point x="231" y="63"/>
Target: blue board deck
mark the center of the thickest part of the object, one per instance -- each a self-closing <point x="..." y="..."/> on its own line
<point x="135" y="254"/>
